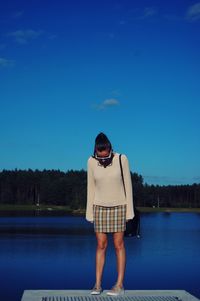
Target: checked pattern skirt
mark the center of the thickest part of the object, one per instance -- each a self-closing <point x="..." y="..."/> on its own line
<point x="109" y="219"/>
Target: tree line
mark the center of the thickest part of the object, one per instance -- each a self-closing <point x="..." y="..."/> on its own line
<point x="55" y="187"/>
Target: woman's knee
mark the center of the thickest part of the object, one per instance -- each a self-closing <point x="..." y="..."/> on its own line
<point x="102" y="245"/>
<point x="118" y="242"/>
<point x="119" y="245"/>
<point x="102" y="242"/>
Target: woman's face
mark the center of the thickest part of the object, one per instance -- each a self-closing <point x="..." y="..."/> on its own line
<point x="103" y="153"/>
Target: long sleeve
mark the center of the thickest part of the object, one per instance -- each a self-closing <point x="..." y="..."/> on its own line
<point x="90" y="193"/>
<point x="128" y="186"/>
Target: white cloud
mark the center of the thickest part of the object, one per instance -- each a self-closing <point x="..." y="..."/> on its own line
<point x="111" y="35"/>
<point x="193" y="12"/>
<point x="52" y="37"/>
<point x="167" y="180"/>
<point x="6" y="63"/>
<point x="115" y="92"/>
<point x="17" y="14"/>
<point x="110" y="102"/>
<point x="148" y="12"/>
<point x="196" y="179"/>
<point x="24" y="36"/>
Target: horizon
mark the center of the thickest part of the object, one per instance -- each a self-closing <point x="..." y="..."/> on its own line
<point x="85" y="170"/>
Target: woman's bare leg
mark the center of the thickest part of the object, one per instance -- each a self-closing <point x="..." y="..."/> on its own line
<point x="118" y="239"/>
<point x="102" y="243"/>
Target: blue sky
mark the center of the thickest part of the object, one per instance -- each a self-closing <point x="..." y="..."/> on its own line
<point x="71" y="69"/>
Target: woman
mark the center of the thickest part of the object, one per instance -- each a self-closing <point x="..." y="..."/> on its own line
<point x="108" y="207"/>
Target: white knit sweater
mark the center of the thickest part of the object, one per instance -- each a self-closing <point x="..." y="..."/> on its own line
<point x="105" y="186"/>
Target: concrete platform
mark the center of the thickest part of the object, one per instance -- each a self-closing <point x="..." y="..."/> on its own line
<point x="84" y="295"/>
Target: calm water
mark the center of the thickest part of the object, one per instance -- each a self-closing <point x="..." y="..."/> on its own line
<point x="59" y="253"/>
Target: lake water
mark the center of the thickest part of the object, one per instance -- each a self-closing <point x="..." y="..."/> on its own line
<point x="59" y="253"/>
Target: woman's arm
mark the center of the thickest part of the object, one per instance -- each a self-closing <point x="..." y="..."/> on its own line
<point x="90" y="192"/>
<point x="128" y="187"/>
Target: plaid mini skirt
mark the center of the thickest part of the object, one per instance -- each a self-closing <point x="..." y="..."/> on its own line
<point x="109" y="219"/>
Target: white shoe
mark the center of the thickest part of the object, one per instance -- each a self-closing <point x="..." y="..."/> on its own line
<point x="116" y="291"/>
<point x="96" y="290"/>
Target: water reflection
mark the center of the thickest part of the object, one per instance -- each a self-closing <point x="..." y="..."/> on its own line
<point x="59" y="253"/>
<point x="42" y="226"/>
<point x="37" y="212"/>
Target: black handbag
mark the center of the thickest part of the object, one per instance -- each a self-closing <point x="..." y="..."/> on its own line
<point x="132" y="225"/>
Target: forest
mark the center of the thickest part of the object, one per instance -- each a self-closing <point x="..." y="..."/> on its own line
<point x="55" y="187"/>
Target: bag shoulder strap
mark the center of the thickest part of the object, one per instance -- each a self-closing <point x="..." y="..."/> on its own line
<point x="120" y="163"/>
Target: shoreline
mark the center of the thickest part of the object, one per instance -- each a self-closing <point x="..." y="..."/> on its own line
<point x="80" y="212"/>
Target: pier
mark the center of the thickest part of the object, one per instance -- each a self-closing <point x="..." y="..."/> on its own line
<point x="130" y="295"/>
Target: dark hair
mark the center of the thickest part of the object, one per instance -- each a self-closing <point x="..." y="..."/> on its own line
<point x="102" y="143"/>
